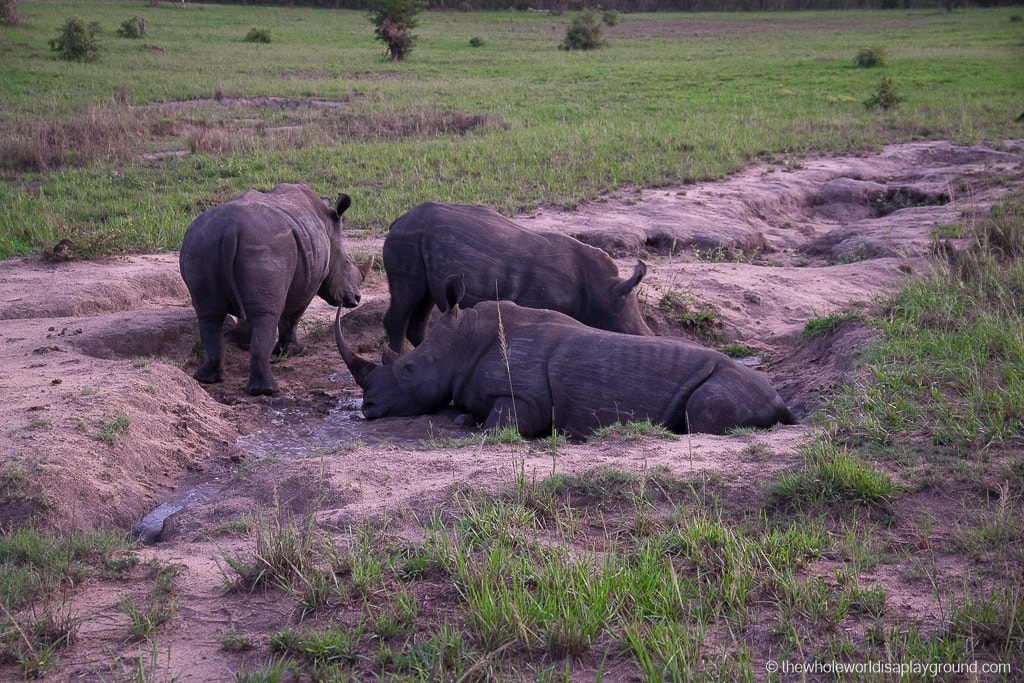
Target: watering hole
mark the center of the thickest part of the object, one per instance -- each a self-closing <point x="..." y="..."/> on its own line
<point x="295" y="432"/>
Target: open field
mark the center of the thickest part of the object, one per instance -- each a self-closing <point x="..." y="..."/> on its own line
<point x="870" y="260"/>
<point x="514" y="124"/>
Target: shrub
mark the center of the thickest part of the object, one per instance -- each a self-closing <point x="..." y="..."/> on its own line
<point x="886" y="95"/>
<point x="9" y="12"/>
<point x="610" y="17"/>
<point x="258" y="35"/>
<point x="584" y="33"/>
<point x="77" y="41"/>
<point x="870" y="57"/>
<point x="394" y="20"/>
<point x="476" y="41"/>
<point x="132" y="28"/>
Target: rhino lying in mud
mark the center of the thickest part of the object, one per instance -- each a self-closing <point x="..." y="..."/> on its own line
<point x="509" y="365"/>
<point x="499" y="260"/>
<point x="263" y="257"/>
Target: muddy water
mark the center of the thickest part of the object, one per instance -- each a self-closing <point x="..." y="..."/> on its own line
<point x="298" y="432"/>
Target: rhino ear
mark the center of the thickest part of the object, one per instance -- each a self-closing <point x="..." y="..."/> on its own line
<point x="344" y="201"/>
<point x="626" y="286"/>
<point x="454" y="290"/>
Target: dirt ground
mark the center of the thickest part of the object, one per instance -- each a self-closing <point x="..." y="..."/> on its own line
<point x="103" y="423"/>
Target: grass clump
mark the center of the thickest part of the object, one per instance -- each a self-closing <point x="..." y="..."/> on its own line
<point x="830" y="477"/>
<point x="870" y="57"/>
<point x="821" y="326"/>
<point x="78" y="41"/>
<point x="258" y="35"/>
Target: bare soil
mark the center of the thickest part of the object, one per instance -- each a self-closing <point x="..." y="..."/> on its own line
<point x="102" y="421"/>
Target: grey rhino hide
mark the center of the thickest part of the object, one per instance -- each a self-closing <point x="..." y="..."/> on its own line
<point x="263" y="257"/>
<point x="499" y="260"/>
<point x="552" y="371"/>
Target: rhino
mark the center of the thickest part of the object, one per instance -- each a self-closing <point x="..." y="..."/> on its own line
<point x="262" y="257"/>
<point x="538" y="370"/>
<point x="499" y="260"/>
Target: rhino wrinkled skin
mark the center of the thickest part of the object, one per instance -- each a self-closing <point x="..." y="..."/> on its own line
<point x="537" y="370"/>
<point x="500" y="261"/>
<point x="263" y="257"/>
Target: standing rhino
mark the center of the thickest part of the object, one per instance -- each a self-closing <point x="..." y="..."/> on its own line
<point x="538" y="370"/>
<point x="499" y="260"/>
<point x="263" y="257"/>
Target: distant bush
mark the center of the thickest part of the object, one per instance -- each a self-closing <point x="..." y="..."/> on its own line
<point x="870" y="57"/>
<point x="9" y="12"/>
<point x="77" y="41"/>
<point x="476" y="41"/>
<point x="258" y="35"/>
<point x="886" y="95"/>
<point x="610" y="17"/>
<point x="132" y="28"/>
<point x="584" y="33"/>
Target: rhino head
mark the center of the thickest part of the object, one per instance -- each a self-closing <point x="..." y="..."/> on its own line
<point x="620" y="311"/>
<point x="341" y="286"/>
<point x="417" y="383"/>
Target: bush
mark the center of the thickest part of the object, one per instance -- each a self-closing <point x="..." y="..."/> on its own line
<point x="77" y="41"/>
<point x="610" y="17"/>
<point x="9" y="12"/>
<point x="886" y="95"/>
<point x="870" y="57"/>
<point x="258" y="35"/>
<point x="132" y="28"/>
<point x="394" y="20"/>
<point x="476" y="41"/>
<point x="584" y="33"/>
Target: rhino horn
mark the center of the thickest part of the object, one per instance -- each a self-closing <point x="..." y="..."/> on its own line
<point x="357" y="365"/>
<point x="388" y="355"/>
<point x="366" y="267"/>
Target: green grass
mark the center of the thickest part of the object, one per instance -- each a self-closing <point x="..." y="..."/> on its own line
<point x="561" y="127"/>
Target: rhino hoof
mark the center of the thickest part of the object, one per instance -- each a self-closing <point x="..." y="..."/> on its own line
<point x="261" y="389"/>
<point x="209" y="377"/>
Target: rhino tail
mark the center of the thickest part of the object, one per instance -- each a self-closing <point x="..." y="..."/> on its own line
<point x="359" y="367"/>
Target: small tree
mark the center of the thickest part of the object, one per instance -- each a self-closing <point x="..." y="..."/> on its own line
<point x="887" y="95"/>
<point x="394" y="20"/>
<point x="77" y="41"/>
<point x="9" y="12"/>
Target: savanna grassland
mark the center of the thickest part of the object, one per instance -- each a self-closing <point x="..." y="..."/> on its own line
<point x="512" y="123"/>
<point x="886" y="530"/>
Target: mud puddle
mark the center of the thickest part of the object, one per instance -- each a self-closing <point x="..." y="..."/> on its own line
<point x="295" y="432"/>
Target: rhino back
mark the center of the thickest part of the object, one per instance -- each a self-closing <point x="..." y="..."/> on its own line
<point x="498" y="258"/>
<point x="259" y="243"/>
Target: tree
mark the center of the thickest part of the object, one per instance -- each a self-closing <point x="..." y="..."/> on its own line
<point x="394" y="20"/>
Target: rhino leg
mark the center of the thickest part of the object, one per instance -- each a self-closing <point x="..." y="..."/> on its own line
<point x="526" y="417"/>
<point x="286" y="342"/>
<point x="212" y="369"/>
<point x="418" y="322"/>
<point x="264" y="332"/>
<point x="407" y="310"/>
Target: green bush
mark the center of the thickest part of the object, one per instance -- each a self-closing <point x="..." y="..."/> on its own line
<point x="258" y="35"/>
<point x="584" y="33"/>
<point x="610" y="17"/>
<point x="77" y="41"/>
<point x="476" y="41"/>
<point x="132" y="28"/>
<point x="886" y="95"/>
<point x="870" y="57"/>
